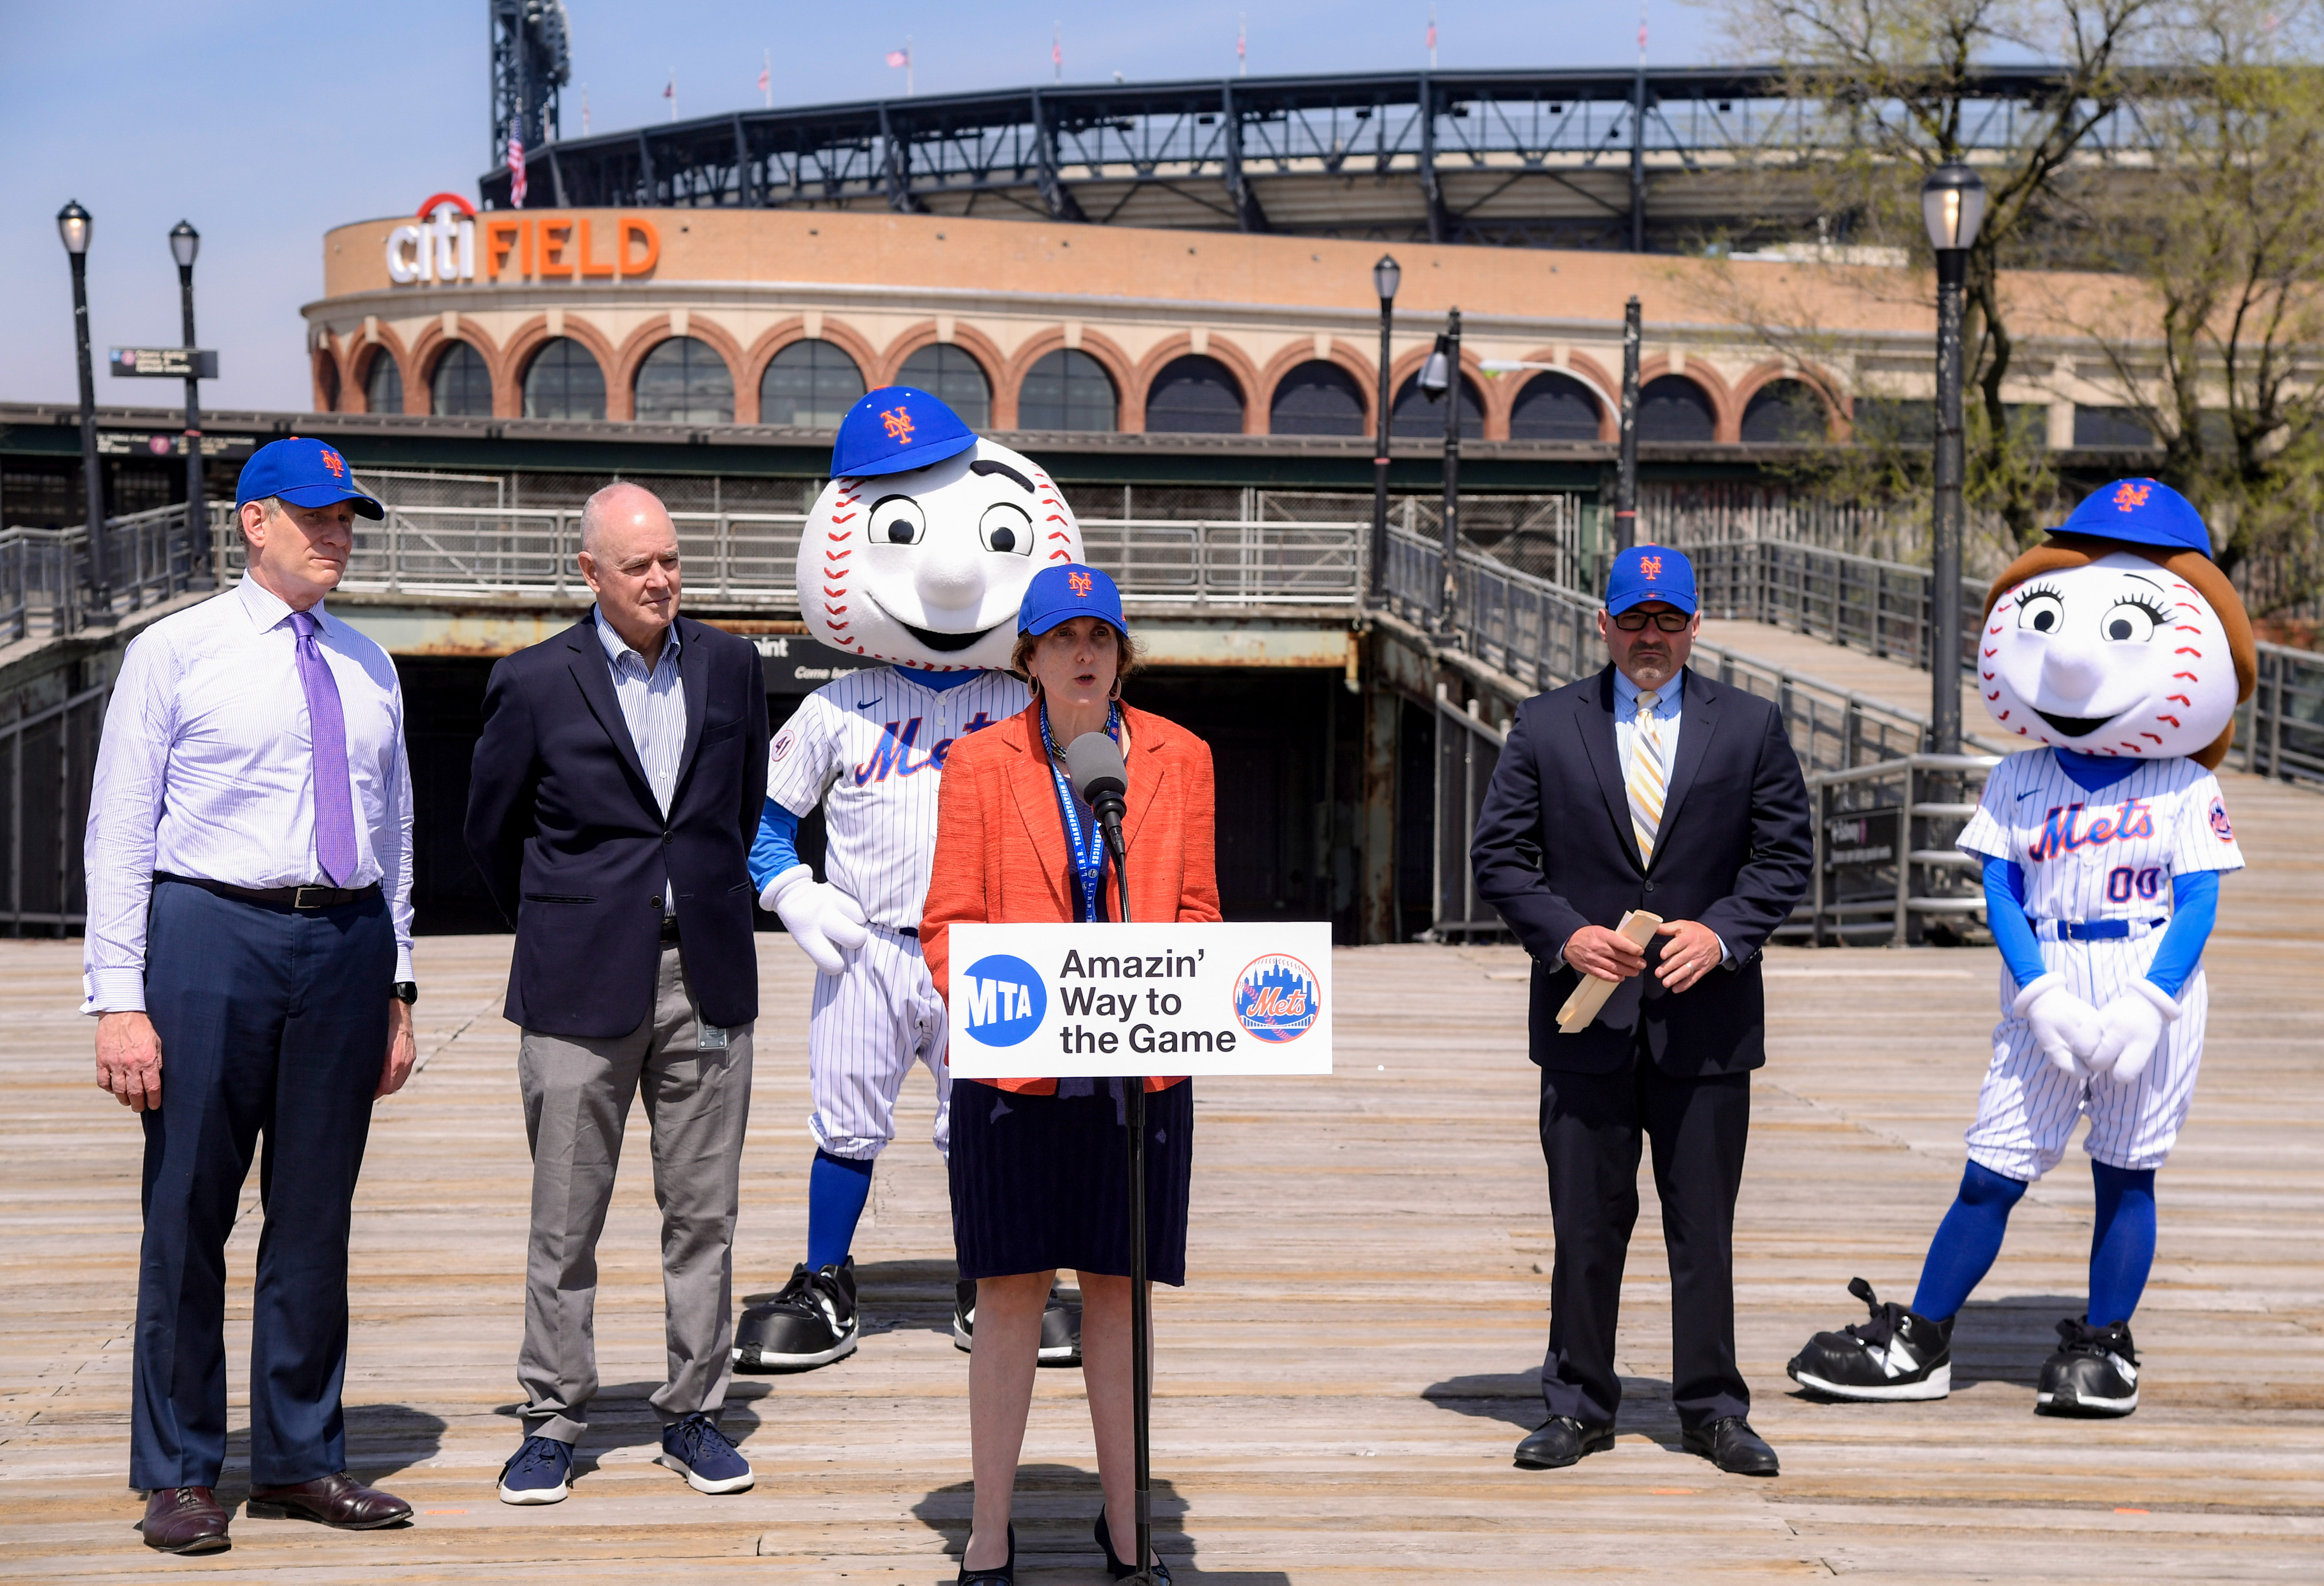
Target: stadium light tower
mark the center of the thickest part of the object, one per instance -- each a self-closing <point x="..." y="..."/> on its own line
<point x="532" y="58"/>
<point x="1952" y="203"/>
<point x="73" y="227"/>
<point x="1386" y="275"/>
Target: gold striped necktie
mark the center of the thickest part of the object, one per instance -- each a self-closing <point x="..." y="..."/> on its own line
<point x="1648" y="773"/>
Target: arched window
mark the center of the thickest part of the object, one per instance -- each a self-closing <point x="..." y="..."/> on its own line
<point x="1672" y="407"/>
<point x="384" y="384"/>
<point x="809" y="386"/>
<point x="1066" y="390"/>
<point x="462" y="387"/>
<point x="1316" y="398"/>
<point x="1555" y="407"/>
<point x="1194" y="395"/>
<point x="684" y="381"/>
<point x="953" y="378"/>
<point x="1416" y="418"/>
<point x="1785" y="413"/>
<point x="564" y="381"/>
<point x="328" y="378"/>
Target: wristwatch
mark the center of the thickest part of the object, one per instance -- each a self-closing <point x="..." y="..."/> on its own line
<point x="405" y="992"/>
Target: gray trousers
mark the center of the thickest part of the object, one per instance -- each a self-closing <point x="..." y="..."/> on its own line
<point x="577" y="1099"/>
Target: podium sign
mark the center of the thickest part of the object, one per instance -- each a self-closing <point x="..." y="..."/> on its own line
<point x="1057" y="1001"/>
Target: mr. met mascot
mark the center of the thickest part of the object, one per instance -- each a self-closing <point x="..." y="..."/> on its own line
<point x="916" y="555"/>
<point x="2116" y="653"/>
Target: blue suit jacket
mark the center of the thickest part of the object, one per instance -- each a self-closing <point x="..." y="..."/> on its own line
<point x="574" y="847"/>
<point x="1554" y="851"/>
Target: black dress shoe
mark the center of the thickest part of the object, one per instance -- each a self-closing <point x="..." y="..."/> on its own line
<point x="338" y="1501"/>
<point x="1729" y="1443"/>
<point x="993" y="1575"/>
<point x="184" y="1519"/>
<point x="1561" y="1441"/>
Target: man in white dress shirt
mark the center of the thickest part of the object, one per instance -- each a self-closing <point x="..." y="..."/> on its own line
<point x="248" y="959"/>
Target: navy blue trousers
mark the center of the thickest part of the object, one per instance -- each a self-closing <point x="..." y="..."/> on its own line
<point x="275" y="1024"/>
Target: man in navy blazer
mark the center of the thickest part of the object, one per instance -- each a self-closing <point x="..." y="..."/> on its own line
<point x="1649" y="787"/>
<point x="616" y="788"/>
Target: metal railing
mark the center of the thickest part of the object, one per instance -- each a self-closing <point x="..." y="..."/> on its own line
<point x="44" y="573"/>
<point x="2281" y="730"/>
<point x="1885" y="867"/>
<point x="47" y="756"/>
<point x="1878" y="606"/>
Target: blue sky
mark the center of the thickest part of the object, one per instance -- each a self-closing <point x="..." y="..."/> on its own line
<point x="266" y="122"/>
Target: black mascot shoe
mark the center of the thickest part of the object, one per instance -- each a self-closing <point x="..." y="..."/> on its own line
<point x="2093" y="1374"/>
<point x="812" y="1322"/>
<point x="1898" y="1354"/>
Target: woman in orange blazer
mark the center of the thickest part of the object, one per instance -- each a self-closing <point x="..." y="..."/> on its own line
<point x="1040" y="1166"/>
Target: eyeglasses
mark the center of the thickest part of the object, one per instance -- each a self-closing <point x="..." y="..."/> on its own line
<point x="1670" y="622"/>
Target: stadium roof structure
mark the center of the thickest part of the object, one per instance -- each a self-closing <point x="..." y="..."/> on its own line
<point x="1613" y="158"/>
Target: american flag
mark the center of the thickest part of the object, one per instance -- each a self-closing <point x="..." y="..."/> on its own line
<point x="897" y="57"/>
<point x="516" y="168"/>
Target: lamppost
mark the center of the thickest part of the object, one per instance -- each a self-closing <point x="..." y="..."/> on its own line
<point x="1385" y="276"/>
<point x="185" y="242"/>
<point x="72" y="225"/>
<point x="1626" y="474"/>
<point x="1440" y="380"/>
<point x="1952" y="203"/>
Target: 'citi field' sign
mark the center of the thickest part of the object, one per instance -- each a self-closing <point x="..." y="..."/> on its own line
<point x="443" y="248"/>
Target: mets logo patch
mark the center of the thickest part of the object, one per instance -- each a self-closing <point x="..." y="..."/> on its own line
<point x="1276" y="998"/>
<point x="2220" y="827"/>
<point x="783" y="746"/>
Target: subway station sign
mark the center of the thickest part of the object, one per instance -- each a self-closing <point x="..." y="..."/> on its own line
<point x="451" y="243"/>
<point x="172" y="363"/>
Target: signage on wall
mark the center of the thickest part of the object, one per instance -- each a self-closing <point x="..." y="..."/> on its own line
<point x="450" y="242"/>
<point x="174" y="363"/>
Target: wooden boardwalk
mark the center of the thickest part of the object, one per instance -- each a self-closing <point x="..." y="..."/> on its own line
<point x="1343" y="1380"/>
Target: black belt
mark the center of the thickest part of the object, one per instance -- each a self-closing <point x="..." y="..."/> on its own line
<point x="281" y="897"/>
<point x="911" y="931"/>
<point x="669" y="930"/>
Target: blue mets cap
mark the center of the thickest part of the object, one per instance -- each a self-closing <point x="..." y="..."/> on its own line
<point x="2141" y="512"/>
<point x="304" y="473"/>
<point x="895" y="430"/>
<point x="1065" y="592"/>
<point x="1649" y="572"/>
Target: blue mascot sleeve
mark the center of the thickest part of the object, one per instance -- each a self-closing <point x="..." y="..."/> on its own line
<point x="2005" y="915"/>
<point x="2194" y="909"/>
<point x="776" y="847"/>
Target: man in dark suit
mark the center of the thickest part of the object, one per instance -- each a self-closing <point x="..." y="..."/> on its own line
<point x="1646" y="787"/>
<point x="616" y="788"/>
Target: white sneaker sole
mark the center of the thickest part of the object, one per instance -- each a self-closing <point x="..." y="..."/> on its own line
<point x="1936" y="1384"/>
<point x="536" y="1495"/>
<point x="766" y="1362"/>
<point x="962" y="1339"/>
<point x="742" y="1483"/>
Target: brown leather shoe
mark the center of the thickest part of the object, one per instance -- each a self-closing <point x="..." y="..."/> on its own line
<point x="184" y="1519"/>
<point x="339" y="1501"/>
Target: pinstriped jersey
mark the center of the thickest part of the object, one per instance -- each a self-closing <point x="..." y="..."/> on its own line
<point x="2104" y="855"/>
<point x="869" y="749"/>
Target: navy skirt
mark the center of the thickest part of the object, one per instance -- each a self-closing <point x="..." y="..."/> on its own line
<point x="1040" y="1183"/>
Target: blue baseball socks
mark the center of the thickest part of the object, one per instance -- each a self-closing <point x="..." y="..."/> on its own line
<point x="837" y="1189"/>
<point x="2122" y="1242"/>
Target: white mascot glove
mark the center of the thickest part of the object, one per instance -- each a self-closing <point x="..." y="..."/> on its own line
<point x="827" y="924"/>
<point x="2132" y="1026"/>
<point x="2065" y="1027"/>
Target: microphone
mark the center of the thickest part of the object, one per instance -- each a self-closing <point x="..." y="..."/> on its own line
<point x="1093" y="761"/>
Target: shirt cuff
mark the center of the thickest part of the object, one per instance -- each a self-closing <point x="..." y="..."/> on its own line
<point x="403" y="964"/>
<point x="114" y="991"/>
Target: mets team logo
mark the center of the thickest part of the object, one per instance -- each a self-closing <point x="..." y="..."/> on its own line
<point x="333" y="461"/>
<point x="1650" y="568"/>
<point x="1081" y="583"/>
<point x="2220" y="828"/>
<point x="1276" y="998"/>
<point x="898" y="423"/>
<point x="783" y="745"/>
<point x="2129" y="495"/>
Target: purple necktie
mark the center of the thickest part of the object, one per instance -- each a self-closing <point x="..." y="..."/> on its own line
<point x="335" y="814"/>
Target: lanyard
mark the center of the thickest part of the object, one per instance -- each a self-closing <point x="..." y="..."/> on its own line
<point x="1089" y="849"/>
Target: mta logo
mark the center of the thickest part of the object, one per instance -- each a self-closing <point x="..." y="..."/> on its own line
<point x="1002" y="1000"/>
<point x="2129" y="495"/>
<point x="1080" y="582"/>
<point x="332" y="460"/>
<point x="2063" y="831"/>
<point x="1650" y="568"/>
<point x="898" y="423"/>
<point x="898" y="747"/>
<point x="1276" y="1000"/>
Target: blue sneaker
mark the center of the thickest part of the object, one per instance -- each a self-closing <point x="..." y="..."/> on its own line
<point x="696" y="1449"/>
<point x="540" y="1471"/>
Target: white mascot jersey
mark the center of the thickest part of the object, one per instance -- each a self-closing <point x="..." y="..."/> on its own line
<point x="926" y="569"/>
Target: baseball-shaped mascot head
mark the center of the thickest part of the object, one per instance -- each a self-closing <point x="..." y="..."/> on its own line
<point x="2118" y="635"/>
<point x="920" y="548"/>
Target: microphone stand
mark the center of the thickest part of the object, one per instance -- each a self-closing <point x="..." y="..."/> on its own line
<point x="1109" y="809"/>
